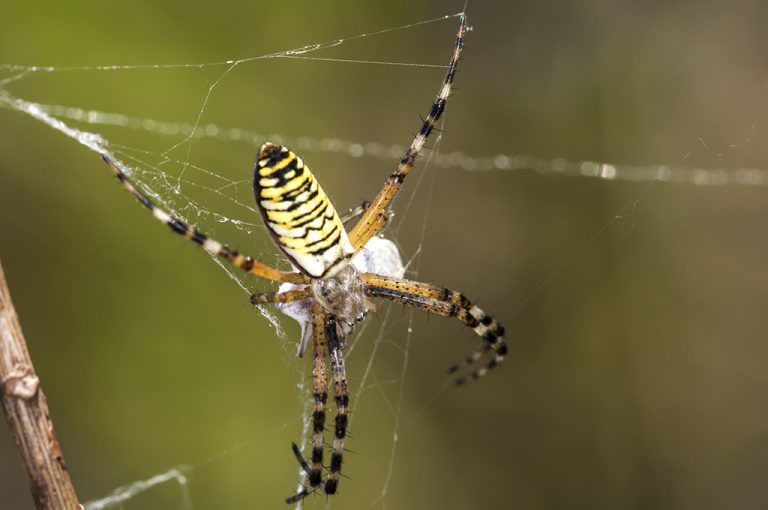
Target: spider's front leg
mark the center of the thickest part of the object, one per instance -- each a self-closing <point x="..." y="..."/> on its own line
<point x="341" y="398"/>
<point x="244" y="262"/>
<point x="374" y="218"/>
<point x="314" y="471"/>
<point x="325" y="331"/>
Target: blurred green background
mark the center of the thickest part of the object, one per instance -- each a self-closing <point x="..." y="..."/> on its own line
<point x="637" y="371"/>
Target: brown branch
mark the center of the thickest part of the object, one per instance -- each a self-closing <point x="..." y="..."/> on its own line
<point x="27" y="412"/>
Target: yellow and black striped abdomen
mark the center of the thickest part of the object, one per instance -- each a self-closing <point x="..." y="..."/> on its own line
<point x="298" y="213"/>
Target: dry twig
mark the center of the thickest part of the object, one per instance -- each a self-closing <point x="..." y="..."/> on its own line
<point x="27" y="412"/>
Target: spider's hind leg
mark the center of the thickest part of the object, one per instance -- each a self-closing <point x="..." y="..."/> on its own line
<point x="448" y="303"/>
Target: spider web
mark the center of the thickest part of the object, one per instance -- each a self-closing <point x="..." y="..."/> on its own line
<point x="176" y="164"/>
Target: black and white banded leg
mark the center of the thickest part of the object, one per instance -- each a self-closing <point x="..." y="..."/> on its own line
<point x="447" y="303"/>
<point x="341" y="399"/>
<point x="314" y="471"/>
<point x="244" y="262"/>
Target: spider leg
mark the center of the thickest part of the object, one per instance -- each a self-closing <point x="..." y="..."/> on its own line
<point x="320" y="394"/>
<point x="341" y="398"/>
<point x="244" y="262"/>
<point x="300" y="458"/>
<point x="448" y="303"/>
<point x="357" y="211"/>
<point x="261" y="298"/>
<point x="375" y="216"/>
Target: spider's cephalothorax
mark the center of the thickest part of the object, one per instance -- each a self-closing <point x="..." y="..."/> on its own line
<point x="344" y="296"/>
<point x="306" y="227"/>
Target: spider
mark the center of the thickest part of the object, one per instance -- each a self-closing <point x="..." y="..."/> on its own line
<point x="306" y="227"/>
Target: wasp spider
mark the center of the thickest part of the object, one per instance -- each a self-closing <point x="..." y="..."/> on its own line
<point x="306" y="227"/>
